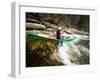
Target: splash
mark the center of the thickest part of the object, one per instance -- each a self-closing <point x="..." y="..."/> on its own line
<point x="72" y="54"/>
<point x="63" y="55"/>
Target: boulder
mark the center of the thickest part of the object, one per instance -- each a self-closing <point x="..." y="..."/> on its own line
<point x="34" y="26"/>
<point x="75" y="31"/>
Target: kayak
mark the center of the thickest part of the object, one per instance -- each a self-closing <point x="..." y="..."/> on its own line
<point x="46" y="37"/>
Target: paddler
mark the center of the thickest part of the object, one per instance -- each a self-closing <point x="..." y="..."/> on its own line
<point x="58" y="36"/>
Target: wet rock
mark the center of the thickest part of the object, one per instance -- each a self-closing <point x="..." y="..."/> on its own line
<point x="49" y="29"/>
<point x="82" y="58"/>
<point x="75" y="31"/>
<point x="34" y="26"/>
<point x="42" y="53"/>
<point x="84" y="43"/>
<point x="33" y="21"/>
<point x="50" y="25"/>
<point x="85" y="58"/>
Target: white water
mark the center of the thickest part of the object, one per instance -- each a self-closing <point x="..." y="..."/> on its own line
<point x="76" y="49"/>
<point x="63" y="55"/>
<point x="65" y="48"/>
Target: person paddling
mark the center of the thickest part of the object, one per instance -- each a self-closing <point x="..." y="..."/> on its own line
<point x="58" y="36"/>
